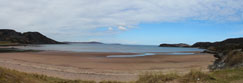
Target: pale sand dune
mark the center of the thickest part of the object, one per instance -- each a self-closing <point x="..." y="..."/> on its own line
<point x="96" y="66"/>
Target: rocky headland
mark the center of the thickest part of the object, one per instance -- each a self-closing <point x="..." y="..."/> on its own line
<point x="8" y="35"/>
<point x="228" y="53"/>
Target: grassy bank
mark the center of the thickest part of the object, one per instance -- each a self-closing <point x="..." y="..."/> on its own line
<point x="10" y="50"/>
<point x="12" y="76"/>
<point x="195" y="76"/>
<point x="7" y="43"/>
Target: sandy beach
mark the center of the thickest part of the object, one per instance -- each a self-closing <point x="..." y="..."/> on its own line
<point x="96" y="66"/>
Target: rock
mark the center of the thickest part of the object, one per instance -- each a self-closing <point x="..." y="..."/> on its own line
<point x="25" y="38"/>
<point x="232" y="59"/>
<point x="174" y="45"/>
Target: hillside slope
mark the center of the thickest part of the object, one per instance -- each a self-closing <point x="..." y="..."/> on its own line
<point x="25" y="38"/>
<point x="228" y="53"/>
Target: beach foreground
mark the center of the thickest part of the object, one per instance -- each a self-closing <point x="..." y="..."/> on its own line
<point x="96" y="66"/>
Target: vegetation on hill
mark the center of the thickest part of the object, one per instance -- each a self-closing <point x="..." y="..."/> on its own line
<point x="8" y="50"/>
<point x="228" y="53"/>
<point x="8" y="35"/>
<point x="228" y="44"/>
<point x="7" y="43"/>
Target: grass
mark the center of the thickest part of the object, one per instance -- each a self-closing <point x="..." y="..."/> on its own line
<point x="156" y="77"/>
<point x="9" y="50"/>
<point x="7" y="43"/>
<point x="228" y="75"/>
<point x="234" y="58"/>
<point x="12" y="76"/>
<point x="194" y="76"/>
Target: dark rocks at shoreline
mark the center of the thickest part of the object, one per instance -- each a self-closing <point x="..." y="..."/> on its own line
<point x="174" y="45"/>
<point x="25" y="38"/>
<point x="231" y="59"/>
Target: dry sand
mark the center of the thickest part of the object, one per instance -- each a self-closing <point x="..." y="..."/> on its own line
<point x="96" y="66"/>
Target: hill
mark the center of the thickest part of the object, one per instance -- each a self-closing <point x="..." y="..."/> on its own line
<point x="8" y="35"/>
<point x="228" y="53"/>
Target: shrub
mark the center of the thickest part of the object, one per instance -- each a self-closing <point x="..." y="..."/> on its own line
<point x="234" y="58"/>
<point x="195" y="76"/>
<point x="156" y="77"/>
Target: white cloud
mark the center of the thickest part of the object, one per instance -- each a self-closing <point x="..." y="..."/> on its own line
<point x="122" y="28"/>
<point x="110" y="28"/>
<point x="78" y="18"/>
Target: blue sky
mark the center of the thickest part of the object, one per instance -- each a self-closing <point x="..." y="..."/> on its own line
<point x="183" y="32"/>
<point x="149" y="22"/>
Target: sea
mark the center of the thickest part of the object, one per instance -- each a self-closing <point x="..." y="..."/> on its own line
<point x="143" y="50"/>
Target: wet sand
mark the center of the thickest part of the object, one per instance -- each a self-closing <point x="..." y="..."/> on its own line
<point x="96" y="66"/>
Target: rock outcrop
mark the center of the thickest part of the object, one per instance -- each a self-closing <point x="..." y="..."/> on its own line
<point x="25" y="38"/>
<point x="174" y="45"/>
<point x="228" y="53"/>
<point x="230" y="59"/>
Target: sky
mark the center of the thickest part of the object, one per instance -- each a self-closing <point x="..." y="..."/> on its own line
<point x="148" y="22"/>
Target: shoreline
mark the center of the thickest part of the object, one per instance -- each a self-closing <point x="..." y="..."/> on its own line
<point x="96" y="66"/>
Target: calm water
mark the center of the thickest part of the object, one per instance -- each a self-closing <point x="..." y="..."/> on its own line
<point x="110" y="48"/>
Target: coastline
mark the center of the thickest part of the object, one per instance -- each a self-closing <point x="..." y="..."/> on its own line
<point x="96" y="66"/>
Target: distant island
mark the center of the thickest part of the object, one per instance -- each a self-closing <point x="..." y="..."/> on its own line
<point x="174" y="45"/>
<point x="13" y="37"/>
<point x="92" y="42"/>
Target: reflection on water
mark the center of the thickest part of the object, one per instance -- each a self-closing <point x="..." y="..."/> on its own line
<point x="124" y="56"/>
<point x="147" y="54"/>
<point x="181" y="53"/>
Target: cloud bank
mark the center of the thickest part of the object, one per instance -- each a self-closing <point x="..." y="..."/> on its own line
<point x="79" y="18"/>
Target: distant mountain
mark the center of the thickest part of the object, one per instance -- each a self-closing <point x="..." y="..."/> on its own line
<point x="92" y="42"/>
<point x="174" y="45"/>
<point x="9" y="35"/>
